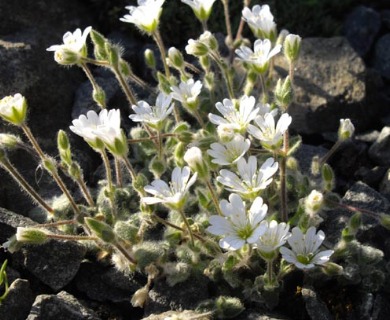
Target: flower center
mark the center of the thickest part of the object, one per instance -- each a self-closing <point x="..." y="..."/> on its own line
<point x="245" y="232"/>
<point x="304" y="259"/>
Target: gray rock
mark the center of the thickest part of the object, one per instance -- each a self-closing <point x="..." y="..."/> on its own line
<point x="329" y="84"/>
<point x="105" y="284"/>
<point x="9" y="221"/>
<point x="163" y="297"/>
<point x="379" y="151"/>
<point x="27" y="67"/>
<point x="385" y="15"/>
<point x="55" y="263"/>
<point x="384" y="186"/>
<point x="381" y="60"/>
<point x="315" y="307"/>
<point x="361" y="27"/>
<point x="363" y="197"/>
<point x="18" y="303"/>
<point x="62" y="306"/>
<point x="185" y="314"/>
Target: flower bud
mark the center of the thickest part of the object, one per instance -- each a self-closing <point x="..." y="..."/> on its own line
<point x="283" y="93"/>
<point x="113" y="54"/>
<point x="328" y="176"/>
<point x="346" y="129"/>
<point x="31" y="235"/>
<point x="125" y="68"/>
<point x="9" y="141"/>
<point x="355" y="222"/>
<point x="179" y="154"/>
<point x="140" y="182"/>
<point x="196" y="48"/>
<point x="225" y="132"/>
<point x="99" y="42"/>
<point x="157" y="166"/>
<point x="163" y="83"/>
<point x="314" y="202"/>
<point x="14" y="109"/>
<point x="139" y="297"/>
<point x="292" y="46"/>
<point x="150" y="59"/>
<point x="385" y="221"/>
<point x="282" y="36"/>
<point x="209" y="40"/>
<point x="205" y="62"/>
<point x="332" y="269"/>
<point x="75" y="171"/>
<point x="101" y="229"/>
<point x="176" y="58"/>
<point x="99" y="96"/>
<point x="50" y="165"/>
<point x="66" y="57"/>
<point x="63" y="146"/>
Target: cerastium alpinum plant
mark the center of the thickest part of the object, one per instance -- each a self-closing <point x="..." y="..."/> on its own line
<point x="216" y="184"/>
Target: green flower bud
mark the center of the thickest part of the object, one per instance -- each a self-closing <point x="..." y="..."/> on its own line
<point x="346" y="129"/>
<point x="101" y="229"/>
<point x="64" y="148"/>
<point x="205" y="62"/>
<point x="332" y="269"/>
<point x="385" y="220"/>
<point x="150" y="59"/>
<point x="125" y="68"/>
<point x="327" y="176"/>
<point x="291" y="47"/>
<point x="157" y="166"/>
<point x="99" y="96"/>
<point x="283" y="93"/>
<point x="113" y="53"/>
<point x="50" y="165"/>
<point x="163" y="83"/>
<point x="31" y="235"/>
<point x="75" y="171"/>
<point x="197" y="48"/>
<point x="9" y="141"/>
<point x="66" y="57"/>
<point x="175" y="58"/>
<point x="13" y="109"/>
<point x="355" y="222"/>
<point x="99" y="42"/>
<point x="179" y="154"/>
<point x="140" y="182"/>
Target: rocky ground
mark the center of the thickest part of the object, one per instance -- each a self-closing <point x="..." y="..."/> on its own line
<point x="340" y="77"/>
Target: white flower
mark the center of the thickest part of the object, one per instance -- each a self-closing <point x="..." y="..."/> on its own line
<point x="250" y="180"/>
<point x="237" y="119"/>
<point x="259" y="58"/>
<point x="238" y="226"/>
<point x="172" y="195"/>
<point x="305" y="253"/>
<point x="73" y="48"/>
<point x="229" y="152"/>
<point x="346" y="129"/>
<point x="154" y="116"/>
<point x="270" y="136"/>
<point x="275" y="236"/>
<point x="13" y="109"/>
<point x="187" y="93"/>
<point x="313" y="202"/>
<point x="88" y="126"/>
<point x="146" y="16"/>
<point x="261" y="21"/>
<point x="201" y="8"/>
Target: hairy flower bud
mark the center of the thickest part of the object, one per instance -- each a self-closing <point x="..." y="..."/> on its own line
<point x="175" y="58"/>
<point x="9" y="141"/>
<point x="283" y="93"/>
<point x="150" y="59"/>
<point x="99" y="96"/>
<point x="31" y="235"/>
<point x="346" y="129"/>
<point x="139" y="297"/>
<point x="291" y="47"/>
<point x="101" y="229"/>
